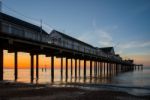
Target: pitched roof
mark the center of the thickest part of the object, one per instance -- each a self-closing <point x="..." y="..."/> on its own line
<point x="107" y="49"/>
<point x="117" y="55"/>
<point x="20" y="22"/>
<point x="71" y="38"/>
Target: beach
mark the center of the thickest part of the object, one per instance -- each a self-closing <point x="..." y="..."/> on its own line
<point x="26" y="91"/>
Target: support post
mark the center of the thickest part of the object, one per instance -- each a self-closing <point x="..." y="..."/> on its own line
<point x="101" y="69"/>
<point x="142" y="67"/>
<point x="84" y="69"/>
<point x="79" y="68"/>
<point x="75" y="68"/>
<point x="16" y="66"/>
<point x="121" y="68"/>
<point x="37" y="67"/>
<point x="52" y="68"/>
<point x="32" y="67"/>
<point x="61" y="68"/>
<point x="1" y="64"/>
<point x="134" y="67"/>
<point x="94" y="68"/>
<point x="110" y="69"/>
<point x="116" y="68"/>
<point x="98" y="68"/>
<point x="66" y="69"/>
<point x="71" y="68"/>
<point x="107" y="69"/>
<point x="104" y="68"/>
<point x="90" y="68"/>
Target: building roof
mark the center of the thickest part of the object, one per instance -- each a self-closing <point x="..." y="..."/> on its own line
<point x="20" y="22"/>
<point x="117" y="55"/>
<point x="71" y="38"/>
<point x="107" y="49"/>
<point x="131" y="61"/>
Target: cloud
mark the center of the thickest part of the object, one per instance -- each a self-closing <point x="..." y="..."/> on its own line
<point x="103" y="37"/>
<point x="98" y="37"/>
<point x="133" y="45"/>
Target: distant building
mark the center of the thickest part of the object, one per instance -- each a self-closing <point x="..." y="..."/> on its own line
<point x="108" y="50"/>
<point x="118" y="57"/>
<point x="61" y="39"/>
<point x="131" y="61"/>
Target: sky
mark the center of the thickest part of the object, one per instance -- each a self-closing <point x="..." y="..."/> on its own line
<point x="123" y="24"/>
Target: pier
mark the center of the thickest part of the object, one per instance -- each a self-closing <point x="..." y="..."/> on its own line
<point x="19" y="36"/>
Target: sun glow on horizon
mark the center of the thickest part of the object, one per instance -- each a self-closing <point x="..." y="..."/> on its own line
<point x="45" y="62"/>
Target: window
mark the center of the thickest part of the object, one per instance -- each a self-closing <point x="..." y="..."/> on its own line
<point x="17" y="31"/>
<point x="59" y="41"/>
<point x="5" y="27"/>
<point x="64" y="43"/>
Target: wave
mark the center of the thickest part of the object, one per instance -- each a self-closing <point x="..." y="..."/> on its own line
<point x="134" y="90"/>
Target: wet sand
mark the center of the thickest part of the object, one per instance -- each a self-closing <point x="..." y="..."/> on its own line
<point x="22" y="91"/>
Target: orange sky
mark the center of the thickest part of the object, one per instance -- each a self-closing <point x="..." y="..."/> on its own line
<point x="24" y="60"/>
<point x="141" y="59"/>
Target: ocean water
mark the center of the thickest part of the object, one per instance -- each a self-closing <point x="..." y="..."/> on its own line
<point x="134" y="82"/>
<point x="45" y="76"/>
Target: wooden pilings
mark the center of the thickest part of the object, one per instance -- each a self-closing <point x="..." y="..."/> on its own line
<point x="84" y="69"/>
<point x="52" y="68"/>
<point x="71" y="67"/>
<point x="108" y="69"/>
<point x="32" y="67"/>
<point x="37" y="67"/>
<point x="100" y="67"/>
<point x="79" y="68"/>
<point x="75" y="68"/>
<point x="138" y="67"/>
<point x="61" y="70"/>
<point x="104" y="68"/>
<point x="90" y="68"/>
<point x="16" y="65"/>
<point x="116" y="68"/>
<point x="1" y="64"/>
<point x="66" y="69"/>
<point x="98" y="71"/>
<point x="95" y="69"/>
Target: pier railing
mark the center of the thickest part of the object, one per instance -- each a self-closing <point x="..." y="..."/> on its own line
<point x="23" y="32"/>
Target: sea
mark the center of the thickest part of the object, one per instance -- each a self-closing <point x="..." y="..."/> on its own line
<point x="135" y="82"/>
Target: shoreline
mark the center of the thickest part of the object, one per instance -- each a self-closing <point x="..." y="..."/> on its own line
<point x="25" y="91"/>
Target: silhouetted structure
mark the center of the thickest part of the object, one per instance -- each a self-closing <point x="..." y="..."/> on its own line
<point x="20" y="36"/>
